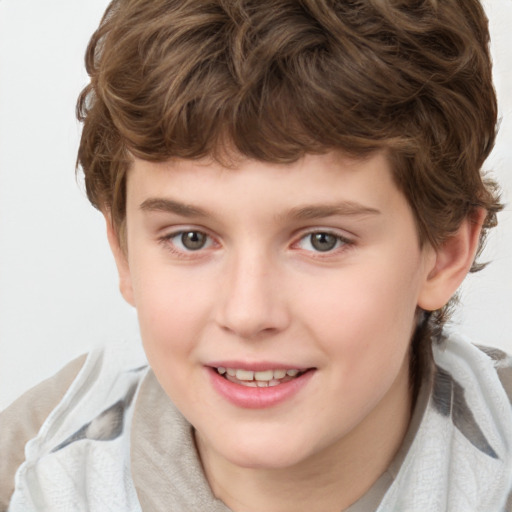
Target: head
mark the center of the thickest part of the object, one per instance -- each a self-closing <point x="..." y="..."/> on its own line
<point x="277" y="82"/>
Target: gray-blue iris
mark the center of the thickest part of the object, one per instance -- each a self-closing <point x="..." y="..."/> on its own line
<point x="323" y="241"/>
<point x="193" y="240"/>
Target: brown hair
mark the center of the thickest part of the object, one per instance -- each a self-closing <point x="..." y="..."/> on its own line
<point x="275" y="79"/>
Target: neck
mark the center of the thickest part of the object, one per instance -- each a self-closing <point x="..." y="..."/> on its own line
<point x="331" y="479"/>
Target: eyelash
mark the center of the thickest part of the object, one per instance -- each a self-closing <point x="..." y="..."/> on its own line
<point x="342" y="243"/>
<point x="184" y="252"/>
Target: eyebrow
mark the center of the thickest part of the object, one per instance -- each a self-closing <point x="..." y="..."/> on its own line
<point x="170" y="206"/>
<point x="345" y="208"/>
<point x="308" y="212"/>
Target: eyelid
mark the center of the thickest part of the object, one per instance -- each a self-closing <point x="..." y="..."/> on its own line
<point x="347" y="241"/>
<point x="166" y="240"/>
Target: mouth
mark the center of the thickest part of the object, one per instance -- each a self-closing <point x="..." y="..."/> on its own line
<point x="259" y="385"/>
<point x="259" y="379"/>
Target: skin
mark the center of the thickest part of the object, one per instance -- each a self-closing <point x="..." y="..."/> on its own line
<point x="259" y="290"/>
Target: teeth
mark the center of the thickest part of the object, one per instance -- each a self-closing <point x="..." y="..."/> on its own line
<point x="261" y="378"/>
<point x="266" y="375"/>
<point x="244" y="375"/>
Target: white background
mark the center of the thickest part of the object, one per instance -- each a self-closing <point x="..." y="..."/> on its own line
<point x="58" y="286"/>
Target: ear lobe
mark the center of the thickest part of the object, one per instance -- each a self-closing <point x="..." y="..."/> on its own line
<point x="452" y="262"/>
<point x="120" y="257"/>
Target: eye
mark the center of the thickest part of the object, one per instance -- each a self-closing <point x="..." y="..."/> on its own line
<point x="189" y="240"/>
<point x="322" y="241"/>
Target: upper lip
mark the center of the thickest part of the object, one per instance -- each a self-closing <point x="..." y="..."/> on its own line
<point x="257" y="366"/>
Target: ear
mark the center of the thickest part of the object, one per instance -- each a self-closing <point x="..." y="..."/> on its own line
<point x="121" y="259"/>
<point x="451" y="263"/>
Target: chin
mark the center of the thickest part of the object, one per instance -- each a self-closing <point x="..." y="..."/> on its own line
<point x="270" y="456"/>
<point x="269" y="462"/>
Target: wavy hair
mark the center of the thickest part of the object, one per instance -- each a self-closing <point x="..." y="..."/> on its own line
<point x="275" y="79"/>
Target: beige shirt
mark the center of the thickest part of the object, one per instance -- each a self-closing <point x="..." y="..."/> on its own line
<point x="22" y="420"/>
<point x="154" y="455"/>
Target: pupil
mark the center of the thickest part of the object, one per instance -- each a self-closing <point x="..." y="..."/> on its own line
<point x="323" y="241"/>
<point x="193" y="240"/>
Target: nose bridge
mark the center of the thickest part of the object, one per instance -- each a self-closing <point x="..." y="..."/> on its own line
<point x="253" y="300"/>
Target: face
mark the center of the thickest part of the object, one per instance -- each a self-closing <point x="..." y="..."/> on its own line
<point x="276" y="302"/>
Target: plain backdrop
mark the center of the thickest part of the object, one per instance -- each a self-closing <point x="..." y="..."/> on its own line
<point x="58" y="285"/>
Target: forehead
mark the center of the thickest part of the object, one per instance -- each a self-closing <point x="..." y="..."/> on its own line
<point x="317" y="178"/>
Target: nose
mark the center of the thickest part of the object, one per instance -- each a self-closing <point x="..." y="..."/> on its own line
<point x="252" y="302"/>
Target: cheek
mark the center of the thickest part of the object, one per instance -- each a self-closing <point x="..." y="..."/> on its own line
<point x="364" y="315"/>
<point x="365" y="330"/>
<point x="169" y="321"/>
<point x="171" y="309"/>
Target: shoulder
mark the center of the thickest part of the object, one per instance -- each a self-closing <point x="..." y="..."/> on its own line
<point x="503" y="365"/>
<point x="87" y="400"/>
<point x="471" y="398"/>
<point x="22" y="420"/>
<point x="85" y="437"/>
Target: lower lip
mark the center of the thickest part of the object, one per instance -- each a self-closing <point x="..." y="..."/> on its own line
<point x="258" y="398"/>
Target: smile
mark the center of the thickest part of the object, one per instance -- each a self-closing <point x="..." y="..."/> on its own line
<point x="260" y="379"/>
<point x="260" y="387"/>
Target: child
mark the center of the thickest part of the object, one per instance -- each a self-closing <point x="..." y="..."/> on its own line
<point x="293" y="194"/>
